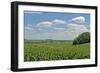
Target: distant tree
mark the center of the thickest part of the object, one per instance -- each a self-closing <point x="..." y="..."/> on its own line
<point x="82" y="38"/>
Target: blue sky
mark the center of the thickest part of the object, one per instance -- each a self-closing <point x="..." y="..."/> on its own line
<point x="55" y="25"/>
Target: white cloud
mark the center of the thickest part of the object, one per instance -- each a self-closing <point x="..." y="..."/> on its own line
<point x="29" y="27"/>
<point x="44" y="24"/>
<point x="58" y="21"/>
<point x="76" y="27"/>
<point x="79" y="19"/>
<point x="59" y="29"/>
<point x="33" y="12"/>
<point x="48" y="24"/>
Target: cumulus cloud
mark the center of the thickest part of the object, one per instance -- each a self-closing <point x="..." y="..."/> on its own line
<point x="48" y="24"/>
<point x="75" y="27"/>
<point x="32" y="12"/>
<point x="44" y="24"/>
<point x="58" y="29"/>
<point x="79" y="19"/>
<point x="58" y="21"/>
<point x="29" y="27"/>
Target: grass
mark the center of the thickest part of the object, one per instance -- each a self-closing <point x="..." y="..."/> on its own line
<point x="46" y="51"/>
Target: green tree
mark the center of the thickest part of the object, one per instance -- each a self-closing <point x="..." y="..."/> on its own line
<point x="82" y="38"/>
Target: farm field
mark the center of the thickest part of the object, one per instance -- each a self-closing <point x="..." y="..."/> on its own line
<point x="39" y="50"/>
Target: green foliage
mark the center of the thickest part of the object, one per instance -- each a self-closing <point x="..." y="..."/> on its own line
<point x="82" y="38"/>
<point x="55" y="50"/>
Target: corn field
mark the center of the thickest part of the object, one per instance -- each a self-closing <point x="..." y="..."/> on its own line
<point x="46" y="51"/>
